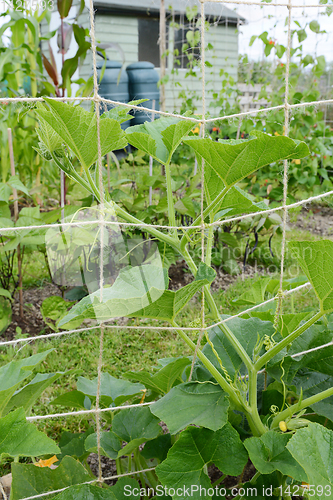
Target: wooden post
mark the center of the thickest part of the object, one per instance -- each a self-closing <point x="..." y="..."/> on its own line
<point x="16" y="214"/>
<point x="151" y="159"/>
<point x="162" y="53"/>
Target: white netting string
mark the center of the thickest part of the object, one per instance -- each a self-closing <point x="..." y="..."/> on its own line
<point x="287" y="107"/>
<point x="159" y="226"/>
<point x="101" y="229"/>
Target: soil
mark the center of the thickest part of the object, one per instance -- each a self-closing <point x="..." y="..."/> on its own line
<point x="32" y="322"/>
<point x="180" y="276"/>
<point x="317" y="220"/>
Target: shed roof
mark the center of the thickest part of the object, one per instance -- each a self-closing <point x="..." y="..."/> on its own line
<point x="153" y="7"/>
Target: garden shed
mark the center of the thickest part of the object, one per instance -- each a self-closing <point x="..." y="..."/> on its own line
<point x="134" y="26"/>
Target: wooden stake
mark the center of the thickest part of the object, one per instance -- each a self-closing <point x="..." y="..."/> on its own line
<point x="162" y="42"/>
<point x="16" y="214"/>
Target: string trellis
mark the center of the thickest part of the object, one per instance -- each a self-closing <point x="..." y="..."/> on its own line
<point x="203" y="122"/>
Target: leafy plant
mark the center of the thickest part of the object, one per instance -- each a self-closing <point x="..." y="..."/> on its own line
<point x="225" y="377"/>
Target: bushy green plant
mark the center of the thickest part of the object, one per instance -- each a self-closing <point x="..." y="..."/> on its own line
<point x="222" y="399"/>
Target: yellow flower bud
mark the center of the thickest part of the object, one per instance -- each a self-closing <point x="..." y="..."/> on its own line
<point x="283" y="426"/>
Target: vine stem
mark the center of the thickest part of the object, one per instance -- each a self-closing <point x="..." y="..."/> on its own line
<point x="259" y="427"/>
<point x="171" y="208"/>
<point x="211" y="207"/>
<point x="214" y="310"/>
<point x="288" y="412"/>
<point x="239" y="403"/>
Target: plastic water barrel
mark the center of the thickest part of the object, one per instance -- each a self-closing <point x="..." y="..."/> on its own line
<point x="110" y="87"/>
<point x="143" y="78"/>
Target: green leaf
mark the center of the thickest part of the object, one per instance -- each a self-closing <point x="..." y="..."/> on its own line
<point x="213" y="184"/>
<point x="280" y="50"/>
<point x="12" y="375"/>
<point x="301" y="35"/>
<point x="311" y="383"/>
<point x="116" y="390"/>
<point x="316" y="260"/>
<point x="48" y="136"/>
<point x="64" y="7"/>
<point x="240" y="202"/>
<point x="205" y="272"/>
<point x="135" y="426"/>
<point x="120" y="491"/>
<point x="248" y="332"/>
<point x="134" y="288"/>
<point x="164" y="379"/>
<point x="309" y="373"/>
<point x="110" y="444"/>
<point x="86" y="492"/>
<point x="269" y="453"/>
<point x="73" y="444"/>
<point x="15" y="182"/>
<point x="195" y="403"/>
<point x="289" y="322"/>
<point x="29" y="480"/>
<point x="121" y="113"/>
<point x="157" y="448"/>
<point x="19" y="438"/>
<point x="78" y="129"/>
<point x="5" y="293"/>
<point x="312" y="447"/>
<point x="234" y="162"/>
<point x="27" y="396"/>
<point x="193" y="37"/>
<point x="74" y="399"/>
<point x="5" y="192"/>
<point x="54" y="307"/>
<point x="131" y="296"/>
<point x="255" y="295"/>
<point x="314" y="26"/>
<point x="195" y="448"/>
<point x="171" y="303"/>
<point x="5" y="318"/>
<point x="159" y="138"/>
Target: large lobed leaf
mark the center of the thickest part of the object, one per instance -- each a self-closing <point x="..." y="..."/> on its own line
<point x="78" y="129"/>
<point x="164" y="379"/>
<point x="29" y="480"/>
<point x="110" y="444"/>
<point x="135" y="426"/>
<point x="27" y="396"/>
<point x="268" y="453"/>
<point x="195" y="403"/>
<point x="312" y="447"/>
<point x="159" y="138"/>
<point x="234" y="162"/>
<point x="194" y="449"/>
<point x="133" y="296"/>
<point x="19" y="438"/>
<point x="12" y="375"/>
<point x="316" y="259"/>
<point x="248" y="332"/>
